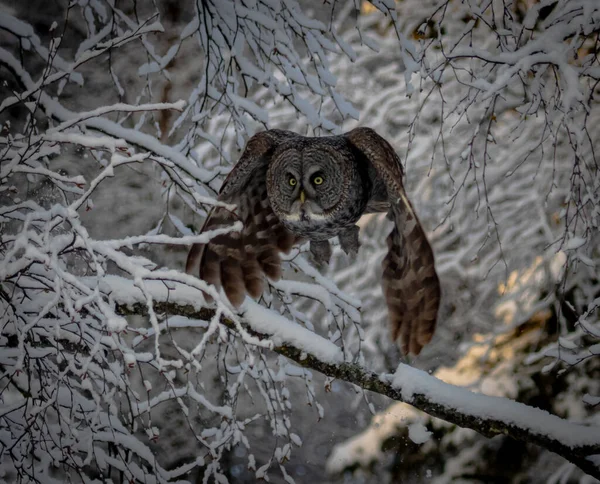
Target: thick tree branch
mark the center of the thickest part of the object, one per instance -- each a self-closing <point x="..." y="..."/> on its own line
<point x="430" y="402"/>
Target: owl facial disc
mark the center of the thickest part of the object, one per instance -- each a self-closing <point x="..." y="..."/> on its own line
<point x="309" y="186"/>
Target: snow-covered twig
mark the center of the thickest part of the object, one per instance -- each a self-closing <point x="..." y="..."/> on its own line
<point x="487" y="415"/>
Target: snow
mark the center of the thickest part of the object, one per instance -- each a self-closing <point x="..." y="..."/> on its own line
<point x="278" y="329"/>
<point x="68" y="261"/>
<point x="250" y="107"/>
<point x="123" y="291"/>
<point x="88" y="141"/>
<point x="281" y="331"/>
<point x="412" y="381"/>
<point x="591" y="400"/>
<point x="418" y="433"/>
<point x="116" y="323"/>
<point x="365" y="447"/>
<point x="575" y="243"/>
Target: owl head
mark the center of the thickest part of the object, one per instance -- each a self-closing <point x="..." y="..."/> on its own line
<point x="308" y="184"/>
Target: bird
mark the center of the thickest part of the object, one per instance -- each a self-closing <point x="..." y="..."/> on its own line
<point x="288" y="188"/>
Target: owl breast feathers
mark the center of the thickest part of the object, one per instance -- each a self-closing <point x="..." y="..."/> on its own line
<point x="289" y="188"/>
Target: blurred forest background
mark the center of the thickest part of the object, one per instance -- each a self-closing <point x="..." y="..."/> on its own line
<point x="493" y="107"/>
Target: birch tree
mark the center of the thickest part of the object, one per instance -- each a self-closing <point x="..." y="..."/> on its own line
<point x="492" y="107"/>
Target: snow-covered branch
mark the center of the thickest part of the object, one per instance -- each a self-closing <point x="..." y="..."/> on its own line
<point x="120" y="121"/>
<point x="487" y="415"/>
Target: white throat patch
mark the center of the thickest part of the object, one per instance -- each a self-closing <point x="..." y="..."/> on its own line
<point x="295" y="217"/>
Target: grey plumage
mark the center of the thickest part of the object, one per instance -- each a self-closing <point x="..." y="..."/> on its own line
<point x="289" y="188"/>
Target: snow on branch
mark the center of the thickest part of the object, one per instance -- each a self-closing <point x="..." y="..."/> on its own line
<point x="498" y="143"/>
<point x="487" y="415"/>
<point x="77" y="376"/>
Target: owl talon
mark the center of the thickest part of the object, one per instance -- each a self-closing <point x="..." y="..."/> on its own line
<point x="320" y="251"/>
<point x="349" y="240"/>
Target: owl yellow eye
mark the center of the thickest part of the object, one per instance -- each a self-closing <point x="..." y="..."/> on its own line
<point x="318" y="180"/>
<point x="293" y="181"/>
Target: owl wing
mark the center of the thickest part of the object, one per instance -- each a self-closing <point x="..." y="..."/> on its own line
<point x="410" y="284"/>
<point x="236" y="261"/>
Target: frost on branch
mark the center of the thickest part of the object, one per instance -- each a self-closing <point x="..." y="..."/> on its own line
<point x="101" y="97"/>
<point x="501" y="159"/>
<point x="119" y="124"/>
<point x="452" y="452"/>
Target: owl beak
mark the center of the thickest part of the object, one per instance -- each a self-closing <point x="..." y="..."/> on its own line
<point x="302" y="196"/>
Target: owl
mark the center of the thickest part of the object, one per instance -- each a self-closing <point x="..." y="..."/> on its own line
<point x="290" y="188"/>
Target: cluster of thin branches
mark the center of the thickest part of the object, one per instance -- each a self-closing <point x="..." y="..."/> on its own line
<point x="80" y="383"/>
<point x="525" y="76"/>
<point x="498" y="138"/>
<point x="494" y="116"/>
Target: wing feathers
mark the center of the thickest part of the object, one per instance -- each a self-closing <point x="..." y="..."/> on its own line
<point x="410" y="283"/>
<point x="237" y="261"/>
<point x="253" y="278"/>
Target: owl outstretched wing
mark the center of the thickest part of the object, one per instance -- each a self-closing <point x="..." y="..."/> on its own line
<point x="236" y="261"/>
<point x="410" y="283"/>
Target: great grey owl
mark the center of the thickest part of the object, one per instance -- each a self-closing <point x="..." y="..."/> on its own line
<point x="289" y="188"/>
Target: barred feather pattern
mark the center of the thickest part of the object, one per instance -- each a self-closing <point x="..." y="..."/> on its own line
<point x="410" y="283"/>
<point x="236" y="261"/>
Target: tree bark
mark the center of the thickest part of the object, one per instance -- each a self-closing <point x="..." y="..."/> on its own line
<point x="382" y="383"/>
